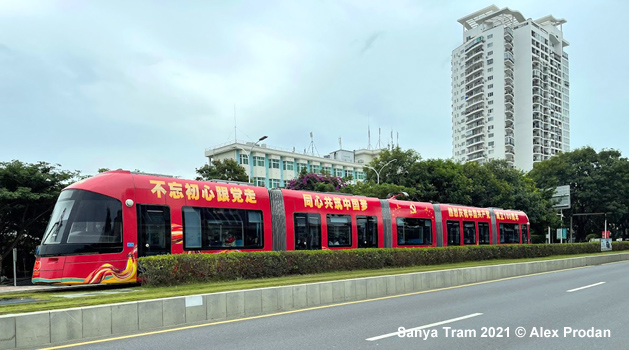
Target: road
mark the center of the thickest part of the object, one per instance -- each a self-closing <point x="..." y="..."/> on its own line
<point x="590" y="300"/>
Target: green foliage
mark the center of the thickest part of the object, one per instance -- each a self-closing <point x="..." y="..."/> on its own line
<point x="382" y="190"/>
<point x="394" y="166"/>
<point x="195" y="268"/>
<point x="599" y="183"/>
<point x="28" y="193"/>
<point x="226" y="169"/>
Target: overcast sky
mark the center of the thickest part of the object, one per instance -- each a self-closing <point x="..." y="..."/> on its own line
<point x="150" y="85"/>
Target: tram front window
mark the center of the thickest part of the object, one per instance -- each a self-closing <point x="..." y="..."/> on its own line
<point x="83" y="222"/>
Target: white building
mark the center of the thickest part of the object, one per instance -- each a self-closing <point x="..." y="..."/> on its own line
<point x="510" y="87"/>
<point x="273" y="167"/>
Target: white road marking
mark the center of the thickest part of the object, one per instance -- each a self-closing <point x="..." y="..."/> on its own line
<point x="591" y="285"/>
<point x="424" y="327"/>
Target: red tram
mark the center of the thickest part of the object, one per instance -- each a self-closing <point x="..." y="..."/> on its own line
<point x="101" y="225"/>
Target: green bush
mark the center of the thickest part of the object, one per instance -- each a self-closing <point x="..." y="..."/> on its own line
<point x="191" y="268"/>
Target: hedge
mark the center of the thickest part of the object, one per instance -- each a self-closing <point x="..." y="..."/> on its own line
<point x="163" y="270"/>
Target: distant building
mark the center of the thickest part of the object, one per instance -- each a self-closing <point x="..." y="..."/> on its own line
<point x="274" y="167"/>
<point x="510" y="89"/>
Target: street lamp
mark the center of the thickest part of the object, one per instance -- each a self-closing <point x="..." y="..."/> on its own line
<point x="378" y="172"/>
<point x="251" y="158"/>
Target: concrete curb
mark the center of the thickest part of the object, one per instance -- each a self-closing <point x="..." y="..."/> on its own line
<point x="58" y="326"/>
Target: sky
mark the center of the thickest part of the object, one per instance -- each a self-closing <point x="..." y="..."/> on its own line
<point x="150" y="85"/>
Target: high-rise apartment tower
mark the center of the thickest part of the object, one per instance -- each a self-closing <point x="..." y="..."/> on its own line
<point x="510" y="89"/>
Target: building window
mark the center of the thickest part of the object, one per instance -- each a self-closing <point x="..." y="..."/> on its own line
<point x="258" y="161"/>
<point x="360" y="175"/>
<point x="349" y="173"/>
<point x="490" y="69"/>
<point x="490" y="94"/>
<point x="491" y="135"/>
<point x="490" y="61"/>
<point x="316" y="169"/>
<point x="301" y="166"/>
<point x="490" y="86"/>
<point x="490" y="53"/>
<point x="490" y="44"/>
<point x="490" y="36"/>
<point x="289" y="165"/>
<point x="326" y="170"/>
<point x="490" y="144"/>
<point x="274" y="183"/>
<point x="491" y="102"/>
<point x="490" y="119"/>
<point x="259" y="181"/>
<point x="338" y="172"/>
<point x="491" y="77"/>
<point x="275" y="163"/>
<point x="490" y="111"/>
<point x="244" y="159"/>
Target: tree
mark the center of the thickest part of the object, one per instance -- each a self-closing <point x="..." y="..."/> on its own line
<point x="316" y="182"/>
<point x="599" y="183"/>
<point x="28" y="193"/>
<point x="226" y="169"/>
<point x="399" y="169"/>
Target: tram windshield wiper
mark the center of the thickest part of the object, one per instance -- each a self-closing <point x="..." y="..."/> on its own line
<point x="56" y="226"/>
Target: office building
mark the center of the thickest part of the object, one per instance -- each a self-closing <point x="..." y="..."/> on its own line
<point x="274" y="167"/>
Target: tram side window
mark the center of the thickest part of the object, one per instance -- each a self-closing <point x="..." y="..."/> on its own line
<point x="339" y="230"/>
<point x="413" y="231"/>
<point x="469" y="232"/>
<point x="454" y="232"/>
<point x="509" y="233"/>
<point x="307" y="231"/>
<point x="220" y="228"/>
<point x="367" y="227"/>
<point x="483" y="233"/>
<point x="525" y="234"/>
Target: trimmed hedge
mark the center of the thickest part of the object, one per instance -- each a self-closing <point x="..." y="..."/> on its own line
<point x="177" y="269"/>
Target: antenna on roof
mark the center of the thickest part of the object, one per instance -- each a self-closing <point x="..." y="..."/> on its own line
<point x="340" y="144"/>
<point x="379" y="146"/>
<point x="312" y="148"/>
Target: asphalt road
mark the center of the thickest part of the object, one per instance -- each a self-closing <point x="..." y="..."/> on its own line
<point x="480" y="316"/>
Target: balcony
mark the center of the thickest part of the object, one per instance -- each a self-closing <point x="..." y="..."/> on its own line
<point x="509" y="57"/>
<point x="478" y="140"/>
<point x="476" y="68"/>
<point x="476" y="53"/>
<point x="476" y="156"/>
<point x="475" y="117"/>
<point x="474" y="93"/>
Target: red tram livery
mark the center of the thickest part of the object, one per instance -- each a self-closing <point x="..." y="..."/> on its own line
<point x="101" y="225"/>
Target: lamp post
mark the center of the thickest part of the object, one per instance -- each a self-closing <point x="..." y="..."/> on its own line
<point x="378" y="172"/>
<point x="251" y="158"/>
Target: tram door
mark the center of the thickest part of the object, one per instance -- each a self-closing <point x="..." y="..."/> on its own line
<point x="307" y="231"/>
<point x="153" y="230"/>
<point x="367" y="227"/>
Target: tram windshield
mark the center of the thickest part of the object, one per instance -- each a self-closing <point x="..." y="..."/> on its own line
<point x="83" y="222"/>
